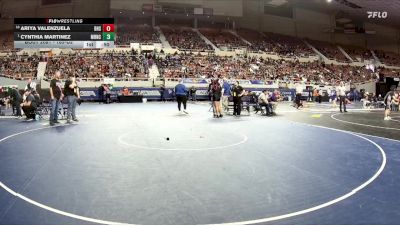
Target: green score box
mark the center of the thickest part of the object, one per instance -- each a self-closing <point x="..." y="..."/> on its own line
<point x="108" y="36"/>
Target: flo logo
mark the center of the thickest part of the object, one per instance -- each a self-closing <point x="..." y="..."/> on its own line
<point x="379" y="15"/>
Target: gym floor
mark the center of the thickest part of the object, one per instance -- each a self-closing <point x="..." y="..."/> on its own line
<point x="147" y="164"/>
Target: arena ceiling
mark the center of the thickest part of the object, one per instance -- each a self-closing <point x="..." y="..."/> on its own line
<point x="357" y="9"/>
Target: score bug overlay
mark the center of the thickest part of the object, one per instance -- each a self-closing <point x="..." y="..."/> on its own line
<point x="64" y="32"/>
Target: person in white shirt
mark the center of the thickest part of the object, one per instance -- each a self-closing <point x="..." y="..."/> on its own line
<point x="31" y="85"/>
<point x="263" y="102"/>
<point x="341" y="91"/>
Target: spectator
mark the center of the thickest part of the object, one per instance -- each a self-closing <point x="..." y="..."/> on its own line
<point x="263" y="102"/>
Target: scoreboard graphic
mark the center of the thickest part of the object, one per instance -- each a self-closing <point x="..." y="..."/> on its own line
<point x="64" y="33"/>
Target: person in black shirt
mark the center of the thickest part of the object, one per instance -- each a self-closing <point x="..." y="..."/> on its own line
<point x="101" y="94"/>
<point x="55" y="97"/>
<point x="29" y="105"/>
<point x="162" y="93"/>
<point x="16" y="100"/>
<point x="237" y="93"/>
<point x="216" y="92"/>
<point x="71" y="91"/>
<point x="192" y="91"/>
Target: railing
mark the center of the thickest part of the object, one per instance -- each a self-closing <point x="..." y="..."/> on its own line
<point x="15" y="78"/>
<point x="117" y="79"/>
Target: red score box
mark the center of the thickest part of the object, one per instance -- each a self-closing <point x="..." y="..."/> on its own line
<point x="108" y="27"/>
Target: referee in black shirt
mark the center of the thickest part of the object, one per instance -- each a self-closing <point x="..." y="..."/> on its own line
<point x="237" y="93"/>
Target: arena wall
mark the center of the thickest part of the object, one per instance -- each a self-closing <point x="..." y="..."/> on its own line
<point x="4" y="81"/>
<point x="310" y="24"/>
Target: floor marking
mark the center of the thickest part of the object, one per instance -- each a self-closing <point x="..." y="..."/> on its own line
<point x="361" y="124"/>
<point x="334" y="201"/>
<point x="244" y="139"/>
<point x="40" y="205"/>
<point x="329" y="203"/>
<point x="316" y="116"/>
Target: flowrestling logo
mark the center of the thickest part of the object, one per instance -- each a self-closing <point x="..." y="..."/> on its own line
<point x="379" y="15"/>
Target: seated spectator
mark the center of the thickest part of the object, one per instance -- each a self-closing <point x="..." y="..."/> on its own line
<point x="275" y="97"/>
<point x="366" y="101"/>
<point x="125" y="91"/>
<point x="263" y="102"/>
<point x="29" y="105"/>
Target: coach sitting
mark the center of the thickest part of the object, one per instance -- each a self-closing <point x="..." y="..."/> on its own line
<point x="263" y="102"/>
<point x="275" y="97"/>
<point x="29" y="105"/>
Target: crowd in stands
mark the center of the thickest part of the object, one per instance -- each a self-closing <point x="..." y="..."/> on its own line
<point x="329" y="50"/>
<point x="222" y="38"/>
<point x="113" y="65"/>
<point x="198" y="66"/>
<point x="251" y="68"/>
<point x="388" y="58"/>
<point x="287" y="45"/>
<point x="185" y="39"/>
<point x="276" y="43"/>
<point x="318" y="72"/>
<point x="19" y="66"/>
<point x="143" y="34"/>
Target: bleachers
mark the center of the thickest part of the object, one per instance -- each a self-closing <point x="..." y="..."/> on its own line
<point x="185" y="39"/>
<point x="329" y="50"/>
<point x="99" y="66"/>
<point x="143" y="34"/>
<point x="223" y="39"/>
<point x="19" y="67"/>
<point x="287" y="45"/>
<point x="357" y="53"/>
<point x="388" y="58"/>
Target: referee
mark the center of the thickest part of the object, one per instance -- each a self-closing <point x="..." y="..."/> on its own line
<point x="341" y="91"/>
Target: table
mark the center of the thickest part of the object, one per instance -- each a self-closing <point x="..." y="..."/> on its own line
<point x="130" y="98"/>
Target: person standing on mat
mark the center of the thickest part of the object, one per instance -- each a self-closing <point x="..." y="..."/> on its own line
<point x="55" y="97"/>
<point x="216" y="92"/>
<point x="388" y="101"/>
<point x="226" y="92"/>
<point x="299" y="91"/>
<point x="181" y="93"/>
<point x="16" y="100"/>
<point x="237" y="93"/>
<point x="341" y="91"/>
<point x="71" y="91"/>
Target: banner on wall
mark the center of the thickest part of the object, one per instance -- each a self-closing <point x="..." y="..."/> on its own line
<point x="108" y="80"/>
<point x="91" y="94"/>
